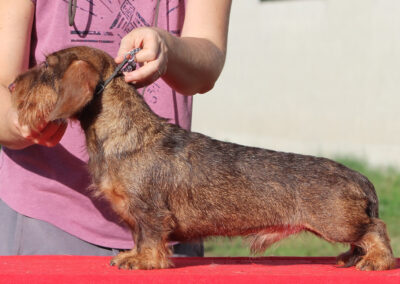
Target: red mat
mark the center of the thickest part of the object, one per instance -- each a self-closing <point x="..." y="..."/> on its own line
<point x="94" y="269"/>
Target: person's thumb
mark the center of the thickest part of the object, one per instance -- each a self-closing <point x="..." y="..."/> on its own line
<point x="125" y="46"/>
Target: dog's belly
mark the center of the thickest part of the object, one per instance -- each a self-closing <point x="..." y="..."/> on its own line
<point x="232" y="218"/>
<point x="259" y="236"/>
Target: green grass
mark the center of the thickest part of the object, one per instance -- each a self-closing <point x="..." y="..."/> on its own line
<point x="387" y="183"/>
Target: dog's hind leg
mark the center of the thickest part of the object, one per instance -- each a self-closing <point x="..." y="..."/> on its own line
<point x="375" y="245"/>
<point x="370" y="244"/>
<point x="372" y="251"/>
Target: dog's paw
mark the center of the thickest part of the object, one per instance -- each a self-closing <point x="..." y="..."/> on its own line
<point x="133" y="260"/>
<point x="369" y="264"/>
<point x="125" y="260"/>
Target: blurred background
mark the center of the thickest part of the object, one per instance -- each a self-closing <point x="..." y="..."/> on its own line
<point x="317" y="77"/>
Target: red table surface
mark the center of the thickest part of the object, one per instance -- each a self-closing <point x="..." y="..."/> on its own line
<point x="96" y="269"/>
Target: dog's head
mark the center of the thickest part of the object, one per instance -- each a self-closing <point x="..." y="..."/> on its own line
<point x="61" y="86"/>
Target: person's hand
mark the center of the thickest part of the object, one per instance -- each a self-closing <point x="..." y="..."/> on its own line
<point x="47" y="133"/>
<point x="152" y="58"/>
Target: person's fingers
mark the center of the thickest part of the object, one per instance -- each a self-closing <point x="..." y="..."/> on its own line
<point x="32" y="133"/>
<point x="152" y="57"/>
<point x="124" y="48"/>
<point x="55" y="139"/>
<point x="49" y="130"/>
<point x="132" y="40"/>
<point x="25" y="130"/>
<point x="142" y="73"/>
<point x="145" y="75"/>
<point x="50" y="135"/>
<point x="146" y="38"/>
<point x="44" y="133"/>
<point x="150" y="51"/>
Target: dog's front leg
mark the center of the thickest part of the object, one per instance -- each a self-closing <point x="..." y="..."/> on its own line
<point x="151" y="249"/>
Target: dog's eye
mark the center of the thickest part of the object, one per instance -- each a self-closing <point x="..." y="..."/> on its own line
<point x="45" y="64"/>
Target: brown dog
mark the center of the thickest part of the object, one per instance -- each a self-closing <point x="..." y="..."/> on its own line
<point x="170" y="184"/>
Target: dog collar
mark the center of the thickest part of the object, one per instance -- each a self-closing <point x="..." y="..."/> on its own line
<point x="127" y="65"/>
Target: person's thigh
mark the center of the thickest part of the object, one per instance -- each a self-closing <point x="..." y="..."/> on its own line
<point x="22" y="235"/>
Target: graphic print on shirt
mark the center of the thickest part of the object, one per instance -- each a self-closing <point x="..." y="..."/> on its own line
<point x="126" y="16"/>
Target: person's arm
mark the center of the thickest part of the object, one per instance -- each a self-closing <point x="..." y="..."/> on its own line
<point x="191" y="63"/>
<point x="15" y="31"/>
<point x="16" y="19"/>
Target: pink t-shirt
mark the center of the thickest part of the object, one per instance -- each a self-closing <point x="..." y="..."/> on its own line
<point x="51" y="184"/>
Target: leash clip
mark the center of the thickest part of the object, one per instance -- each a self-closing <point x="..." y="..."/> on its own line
<point x="130" y="60"/>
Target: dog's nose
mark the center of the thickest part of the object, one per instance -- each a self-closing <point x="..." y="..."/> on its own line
<point x="11" y="87"/>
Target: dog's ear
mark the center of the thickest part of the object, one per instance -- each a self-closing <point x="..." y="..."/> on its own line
<point x="76" y="89"/>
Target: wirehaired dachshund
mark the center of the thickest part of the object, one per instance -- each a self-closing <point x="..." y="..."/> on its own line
<point x="169" y="184"/>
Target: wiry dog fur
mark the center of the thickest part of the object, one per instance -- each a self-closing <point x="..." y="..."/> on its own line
<point x="170" y="184"/>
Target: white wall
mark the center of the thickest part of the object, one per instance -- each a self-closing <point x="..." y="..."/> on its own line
<point x="310" y="76"/>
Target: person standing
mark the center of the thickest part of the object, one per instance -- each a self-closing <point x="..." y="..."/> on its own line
<point x="45" y="204"/>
